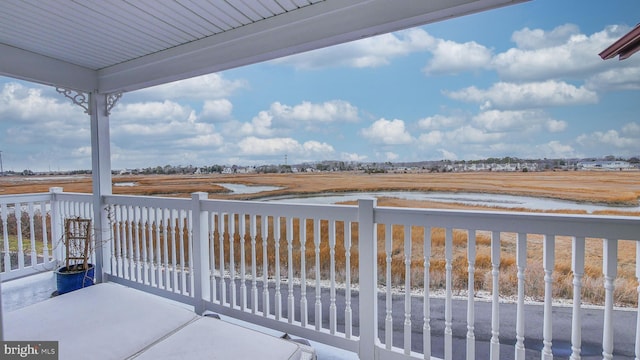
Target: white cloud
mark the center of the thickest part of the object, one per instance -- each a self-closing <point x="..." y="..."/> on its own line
<point x="439" y="121"/>
<point x="391" y="156"/>
<point x="209" y="86"/>
<point x="254" y="146"/>
<point x="632" y="129"/>
<point x="352" y="157"/>
<point x="450" y="57"/>
<point x="329" y="111"/>
<point x="366" y="53"/>
<point x="30" y="105"/>
<point x="554" y="150"/>
<point x="387" y="132"/>
<point x="470" y="134"/>
<point x="610" y="138"/>
<point x="504" y="95"/>
<point x="260" y="125"/>
<point x="556" y="125"/>
<point x="447" y="155"/>
<point x="431" y="138"/>
<point x="517" y="121"/>
<point x="618" y="78"/>
<point x="217" y="109"/>
<point x="563" y="52"/>
<point x="529" y="39"/>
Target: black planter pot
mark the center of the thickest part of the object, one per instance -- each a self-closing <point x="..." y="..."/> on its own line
<point x="69" y="280"/>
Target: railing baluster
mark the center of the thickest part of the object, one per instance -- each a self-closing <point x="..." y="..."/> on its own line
<point x="265" y="265"/>
<point x="183" y="275"/>
<point x="122" y="241"/>
<point x="130" y="257"/>
<point x="149" y="257"/>
<point x="158" y="252"/>
<point x="276" y="241"/>
<point x="32" y="236"/>
<point x="166" y="218"/>
<point x="426" y="320"/>
<point x="548" y="263"/>
<point x="254" y="265"/>
<point x="189" y="244"/>
<point x="223" y="284"/>
<point x="290" y="299"/>
<point x="610" y="271"/>
<point x="45" y="237"/>
<point x="333" y="313"/>
<point x="471" y="256"/>
<point x="18" y="213"/>
<point x="448" y="256"/>
<point x="243" y="262"/>
<point x="407" y="290"/>
<point x="494" y="351"/>
<point x="153" y="245"/>
<point x="348" y="315"/>
<point x="577" y="266"/>
<point x="388" y="320"/>
<point x="144" y="228"/>
<point x="4" y="215"/>
<point x="232" y="264"/>
<point x="117" y="226"/>
<point x="174" y="251"/>
<point x="137" y="228"/>
<point x="212" y="256"/>
<point x="125" y="240"/>
<point x="318" y="303"/>
<point x="303" y="273"/>
<point x="521" y="263"/>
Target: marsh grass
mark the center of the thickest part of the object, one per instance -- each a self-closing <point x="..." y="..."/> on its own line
<point x="612" y="188"/>
<point x="625" y="293"/>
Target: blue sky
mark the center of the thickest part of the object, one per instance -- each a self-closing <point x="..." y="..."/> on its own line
<point x="523" y="81"/>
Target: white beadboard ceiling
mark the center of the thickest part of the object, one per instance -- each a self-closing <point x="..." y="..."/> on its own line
<point x="123" y="45"/>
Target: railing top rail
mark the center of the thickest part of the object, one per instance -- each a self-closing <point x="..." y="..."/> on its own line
<point x="327" y="212"/>
<point x="70" y="196"/>
<point x="24" y="198"/>
<point x="148" y="201"/>
<point x="604" y="226"/>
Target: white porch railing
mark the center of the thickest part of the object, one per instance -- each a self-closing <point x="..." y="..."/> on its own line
<point x="319" y="271"/>
<point x="31" y="230"/>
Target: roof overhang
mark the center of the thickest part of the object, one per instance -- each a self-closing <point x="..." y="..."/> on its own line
<point x="115" y="46"/>
<point x="624" y="47"/>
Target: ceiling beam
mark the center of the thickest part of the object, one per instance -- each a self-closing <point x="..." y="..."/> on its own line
<point x="29" y="66"/>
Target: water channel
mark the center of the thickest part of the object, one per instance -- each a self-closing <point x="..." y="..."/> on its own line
<point x="490" y="200"/>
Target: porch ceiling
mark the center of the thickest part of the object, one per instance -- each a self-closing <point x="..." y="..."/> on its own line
<point x="115" y="46"/>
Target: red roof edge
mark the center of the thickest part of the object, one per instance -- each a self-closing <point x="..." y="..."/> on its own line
<point x="624" y="47"/>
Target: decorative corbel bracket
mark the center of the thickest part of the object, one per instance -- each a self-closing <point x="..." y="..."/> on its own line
<point x="112" y="100"/>
<point x="77" y="97"/>
<point x="82" y="99"/>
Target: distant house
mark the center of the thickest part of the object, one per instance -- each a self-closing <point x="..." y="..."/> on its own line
<point x="604" y="165"/>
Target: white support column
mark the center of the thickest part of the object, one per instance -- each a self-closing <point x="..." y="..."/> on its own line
<point x="577" y="266"/>
<point x="494" y="350"/>
<point x="521" y="262"/>
<point x="368" y="299"/>
<point x="56" y="225"/>
<point x="101" y="176"/>
<point x="610" y="272"/>
<point x="471" y="316"/>
<point x="548" y="254"/>
<point x="201" y="266"/>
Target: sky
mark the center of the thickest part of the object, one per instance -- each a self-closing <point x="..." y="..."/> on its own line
<point x="522" y="81"/>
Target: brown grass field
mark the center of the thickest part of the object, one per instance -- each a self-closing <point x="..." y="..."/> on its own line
<point x="613" y="188"/>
